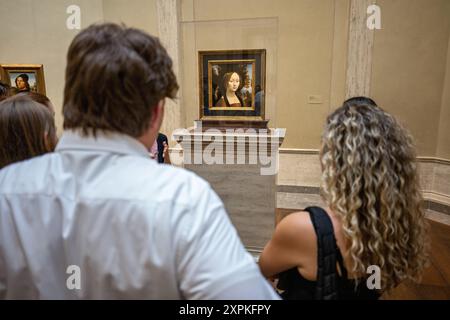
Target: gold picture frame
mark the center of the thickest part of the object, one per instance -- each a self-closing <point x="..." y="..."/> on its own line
<point x="24" y="77"/>
<point x="246" y="67"/>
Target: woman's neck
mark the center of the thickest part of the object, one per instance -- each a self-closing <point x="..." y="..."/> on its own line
<point x="231" y="94"/>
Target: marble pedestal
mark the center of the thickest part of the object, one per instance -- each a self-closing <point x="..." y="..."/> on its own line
<point x="241" y="165"/>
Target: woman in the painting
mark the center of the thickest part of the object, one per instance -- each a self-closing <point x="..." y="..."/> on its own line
<point x="231" y="84"/>
<point x="22" y="83"/>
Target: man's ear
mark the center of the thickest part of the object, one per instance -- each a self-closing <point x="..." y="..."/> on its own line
<point x="158" y="114"/>
<point x="149" y="136"/>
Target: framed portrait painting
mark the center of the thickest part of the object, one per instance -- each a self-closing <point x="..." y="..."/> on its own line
<point x="232" y="85"/>
<point x="24" y="77"/>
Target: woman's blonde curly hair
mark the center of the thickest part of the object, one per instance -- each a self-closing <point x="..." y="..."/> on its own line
<point x="370" y="181"/>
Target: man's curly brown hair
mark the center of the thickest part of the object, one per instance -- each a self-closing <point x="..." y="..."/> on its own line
<point x="115" y="76"/>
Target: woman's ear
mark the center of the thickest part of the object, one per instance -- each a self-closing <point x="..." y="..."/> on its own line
<point x="46" y="142"/>
<point x="50" y="142"/>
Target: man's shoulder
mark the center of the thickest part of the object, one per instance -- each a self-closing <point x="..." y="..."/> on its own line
<point x="143" y="179"/>
<point x="127" y="178"/>
<point x="26" y="169"/>
<point x="143" y="167"/>
<point x="149" y="172"/>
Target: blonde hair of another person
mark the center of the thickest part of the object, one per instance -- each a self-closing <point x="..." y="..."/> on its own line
<point x="370" y="181"/>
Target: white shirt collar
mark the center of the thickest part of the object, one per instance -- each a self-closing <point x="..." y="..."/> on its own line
<point x="113" y="142"/>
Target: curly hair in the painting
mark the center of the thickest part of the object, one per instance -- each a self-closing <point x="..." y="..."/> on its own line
<point x="370" y="181"/>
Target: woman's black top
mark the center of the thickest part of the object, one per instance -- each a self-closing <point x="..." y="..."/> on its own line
<point x="329" y="284"/>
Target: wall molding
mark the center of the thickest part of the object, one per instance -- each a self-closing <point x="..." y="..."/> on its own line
<point x="301" y="168"/>
<point x="434" y="160"/>
<point x="298" y="189"/>
<point x="302" y="190"/>
<point x="426" y="159"/>
<point x="421" y="159"/>
<point x="300" y="173"/>
<point x="298" y="151"/>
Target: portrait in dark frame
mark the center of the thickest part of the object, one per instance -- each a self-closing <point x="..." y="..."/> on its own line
<point x="24" y="77"/>
<point x="228" y="82"/>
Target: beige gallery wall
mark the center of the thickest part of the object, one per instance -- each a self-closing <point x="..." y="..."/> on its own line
<point x="443" y="148"/>
<point x="140" y="14"/>
<point x="307" y="39"/>
<point x="408" y="70"/>
<point x="409" y="62"/>
<point x="35" y="32"/>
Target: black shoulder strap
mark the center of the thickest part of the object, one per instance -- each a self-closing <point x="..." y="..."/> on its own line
<point x="326" y="288"/>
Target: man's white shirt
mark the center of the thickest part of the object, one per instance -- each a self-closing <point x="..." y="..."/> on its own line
<point x="134" y="228"/>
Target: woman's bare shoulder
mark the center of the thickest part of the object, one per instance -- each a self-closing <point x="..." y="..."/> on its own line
<point x="296" y="226"/>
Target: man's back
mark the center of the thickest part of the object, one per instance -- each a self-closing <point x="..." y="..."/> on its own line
<point x="134" y="228"/>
